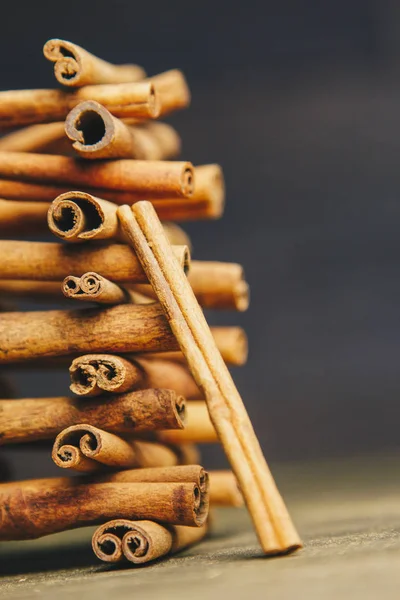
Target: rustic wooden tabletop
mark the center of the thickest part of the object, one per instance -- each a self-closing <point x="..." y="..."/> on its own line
<point x="348" y="513"/>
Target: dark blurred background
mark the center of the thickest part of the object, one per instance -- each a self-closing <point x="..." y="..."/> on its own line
<point x="299" y="102"/>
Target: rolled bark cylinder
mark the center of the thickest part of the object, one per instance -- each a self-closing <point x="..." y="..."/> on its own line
<point x="50" y="261"/>
<point x="34" y="511"/>
<point x="27" y="107"/>
<point x="77" y="216"/>
<point x="94" y="374"/>
<point x="32" y="419"/>
<point x="20" y="218"/>
<point x="92" y="287"/>
<point x="224" y="489"/>
<point x="172" y="90"/>
<point x="75" y="67"/>
<point x="141" y="542"/>
<point x="157" y="179"/>
<point x="37" y="138"/>
<point x="97" y="134"/>
<point x="87" y="448"/>
<point x="198" y="427"/>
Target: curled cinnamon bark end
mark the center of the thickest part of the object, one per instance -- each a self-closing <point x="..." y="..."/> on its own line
<point x="75" y="67"/>
<point x="94" y="374"/>
<point x="92" y="287"/>
<point x="77" y="216"/>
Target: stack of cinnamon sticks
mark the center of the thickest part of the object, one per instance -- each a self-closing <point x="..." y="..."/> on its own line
<point x="91" y="163"/>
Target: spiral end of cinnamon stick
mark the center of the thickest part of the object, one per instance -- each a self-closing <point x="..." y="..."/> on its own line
<point x="75" y="446"/>
<point x="78" y="216"/>
<point x="90" y="127"/>
<point x="67" y="59"/>
<point x="93" y="374"/>
<point x="188" y="181"/>
<point x="107" y="546"/>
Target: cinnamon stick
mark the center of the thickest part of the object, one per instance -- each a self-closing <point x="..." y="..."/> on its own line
<point x="271" y="519"/>
<point x="48" y="137"/>
<point x="96" y="134"/>
<point x="22" y="218"/>
<point x="92" y="287"/>
<point x="156" y="179"/>
<point x="50" y="261"/>
<point x="32" y="419"/>
<point x="141" y="542"/>
<point x="172" y="90"/>
<point x="75" y="67"/>
<point x="34" y="511"/>
<point x="87" y="448"/>
<point x="27" y="107"/>
<point x="77" y="216"/>
<point x="94" y="374"/>
<point x="198" y="427"/>
<point x="224" y="490"/>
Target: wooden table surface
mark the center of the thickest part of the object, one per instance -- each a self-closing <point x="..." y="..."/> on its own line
<point x="348" y="513"/>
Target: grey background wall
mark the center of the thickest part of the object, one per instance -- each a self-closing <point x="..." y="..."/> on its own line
<point x="299" y="101"/>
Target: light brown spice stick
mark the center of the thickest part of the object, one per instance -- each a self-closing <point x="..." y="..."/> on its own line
<point x="157" y="179"/>
<point x="75" y="67"/>
<point x="271" y="519"/>
<point x="94" y="374"/>
<point x="96" y="134"/>
<point x="34" y="512"/>
<point x="21" y="218"/>
<point x="48" y="137"/>
<point x="224" y="490"/>
<point x="92" y="287"/>
<point x="27" y="107"/>
<point x="87" y="448"/>
<point x="32" y="419"/>
<point x="217" y="285"/>
<point x="50" y="261"/>
<point x="198" y="427"/>
<point x="77" y="216"/>
<point x="141" y="542"/>
<point x="172" y="90"/>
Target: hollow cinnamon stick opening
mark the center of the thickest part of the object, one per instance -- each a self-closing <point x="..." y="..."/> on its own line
<point x="77" y="216"/>
<point x="155" y="179"/>
<point x="141" y="542"/>
<point x="21" y="218"/>
<point x="271" y="519"/>
<point x="50" y="261"/>
<point x="94" y="374"/>
<point x="92" y="287"/>
<point x="34" y="511"/>
<point x="75" y="67"/>
<point x="32" y="419"/>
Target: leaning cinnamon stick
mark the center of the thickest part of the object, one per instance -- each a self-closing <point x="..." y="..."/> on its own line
<point x="96" y="134"/>
<point x="92" y="287"/>
<point x="75" y="67"/>
<point x="32" y="419"/>
<point x="94" y="374"/>
<point x="26" y="107"/>
<point x="274" y="527"/>
<point x="51" y="261"/>
<point x="155" y="179"/>
<point x="141" y="542"/>
<point x="22" y="218"/>
<point x="36" y="511"/>
<point x="87" y="448"/>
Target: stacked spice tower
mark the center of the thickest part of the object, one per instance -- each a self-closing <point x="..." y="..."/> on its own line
<point x="149" y="375"/>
